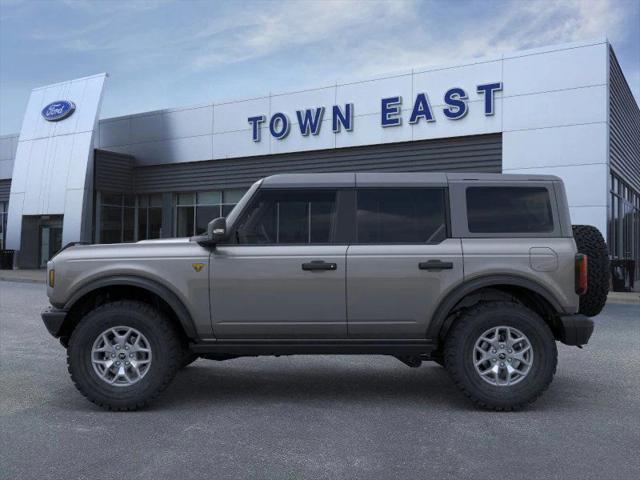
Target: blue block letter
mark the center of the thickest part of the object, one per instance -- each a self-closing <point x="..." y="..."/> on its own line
<point x="421" y="109"/>
<point x="488" y="89"/>
<point x="311" y="122"/>
<point x="279" y="125"/>
<point x="338" y="118"/>
<point x="255" y="126"/>
<point x="390" y="109"/>
<point x="456" y="99"/>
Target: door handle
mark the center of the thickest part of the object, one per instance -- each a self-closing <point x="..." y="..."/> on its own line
<point x="435" y="265"/>
<point x="317" y="265"/>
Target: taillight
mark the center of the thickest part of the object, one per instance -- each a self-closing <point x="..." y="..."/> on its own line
<point x="582" y="283"/>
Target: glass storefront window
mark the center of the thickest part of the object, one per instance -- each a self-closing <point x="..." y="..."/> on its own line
<point x="149" y="216"/>
<point x="195" y="210"/>
<point x="624" y="233"/>
<point x="4" y="211"/>
<point x="127" y="218"/>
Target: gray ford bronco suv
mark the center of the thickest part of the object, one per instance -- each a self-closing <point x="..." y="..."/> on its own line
<point x="481" y="273"/>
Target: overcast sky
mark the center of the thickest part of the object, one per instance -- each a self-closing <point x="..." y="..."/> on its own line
<point x="169" y="53"/>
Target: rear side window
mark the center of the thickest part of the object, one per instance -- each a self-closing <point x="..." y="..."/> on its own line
<point x="401" y="215"/>
<point x="509" y="210"/>
<point x="288" y="217"/>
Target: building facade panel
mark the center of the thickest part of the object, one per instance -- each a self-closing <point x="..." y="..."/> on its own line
<point x="624" y="126"/>
<point x="366" y="95"/>
<point x="560" y="146"/>
<point x="5" y="189"/>
<point x="53" y="167"/>
<point x="232" y="116"/>
<point x="478" y="154"/>
<point x="555" y="109"/>
<point x="114" y="132"/>
<point x="623" y="234"/>
<point x="113" y="172"/>
<point x="564" y="69"/>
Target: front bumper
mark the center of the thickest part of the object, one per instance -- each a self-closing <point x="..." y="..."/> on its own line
<point x="53" y="319"/>
<point x="575" y="329"/>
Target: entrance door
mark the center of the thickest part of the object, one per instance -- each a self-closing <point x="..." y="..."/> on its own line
<point x="50" y="242"/>
<point x="284" y="276"/>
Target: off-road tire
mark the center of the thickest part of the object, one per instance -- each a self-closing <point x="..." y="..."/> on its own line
<point x="589" y="241"/>
<point x="165" y="346"/>
<point x="460" y="344"/>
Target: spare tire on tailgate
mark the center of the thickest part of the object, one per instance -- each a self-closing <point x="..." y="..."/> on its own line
<point x="589" y="241"/>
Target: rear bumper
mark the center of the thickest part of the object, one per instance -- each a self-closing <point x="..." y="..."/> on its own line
<point x="53" y="319"/>
<point x="575" y="329"/>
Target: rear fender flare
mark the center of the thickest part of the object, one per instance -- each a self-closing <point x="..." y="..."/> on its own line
<point x="438" y="322"/>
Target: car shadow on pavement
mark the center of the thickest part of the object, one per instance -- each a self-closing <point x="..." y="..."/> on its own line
<point x="201" y="384"/>
<point x="229" y="384"/>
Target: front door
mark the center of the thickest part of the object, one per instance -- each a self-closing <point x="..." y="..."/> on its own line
<point x="402" y="262"/>
<point x="283" y="275"/>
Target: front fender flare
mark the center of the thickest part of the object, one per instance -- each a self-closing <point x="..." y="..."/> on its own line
<point x="166" y="294"/>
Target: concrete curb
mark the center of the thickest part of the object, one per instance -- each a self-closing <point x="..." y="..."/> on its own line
<point x="20" y="280"/>
<point x="627" y="301"/>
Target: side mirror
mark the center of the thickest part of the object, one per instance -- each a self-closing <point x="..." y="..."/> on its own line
<point x="217" y="230"/>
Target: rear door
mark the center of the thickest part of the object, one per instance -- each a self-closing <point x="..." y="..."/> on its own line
<point x="284" y="276"/>
<point x="402" y="261"/>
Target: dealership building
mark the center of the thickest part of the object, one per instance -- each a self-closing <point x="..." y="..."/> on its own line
<point x="564" y="110"/>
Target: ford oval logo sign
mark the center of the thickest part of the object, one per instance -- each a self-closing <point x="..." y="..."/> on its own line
<point x="56" y="111"/>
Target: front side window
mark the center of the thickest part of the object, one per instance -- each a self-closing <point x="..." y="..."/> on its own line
<point x="509" y="210"/>
<point x="288" y="217"/>
<point x="401" y="215"/>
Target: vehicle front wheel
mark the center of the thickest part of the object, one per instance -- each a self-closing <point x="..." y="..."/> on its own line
<point x="123" y="354"/>
<point x="501" y="355"/>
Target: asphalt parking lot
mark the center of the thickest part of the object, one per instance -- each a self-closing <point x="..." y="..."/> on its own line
<point x="317" y="417"/>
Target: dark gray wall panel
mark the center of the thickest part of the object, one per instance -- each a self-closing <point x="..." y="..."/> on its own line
<point x="624" y="126"/>
<point x="113" y="171"/>
<point x="5" y="189"/>
<point x="480" y="153"/>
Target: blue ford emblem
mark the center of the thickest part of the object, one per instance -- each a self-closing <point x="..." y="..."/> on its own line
<point x="56" y="111"/>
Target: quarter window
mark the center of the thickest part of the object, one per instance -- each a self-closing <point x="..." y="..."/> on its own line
<point x="401" y="215"/>
<point x="289" y="217"/>
<point x="509" y="210"/>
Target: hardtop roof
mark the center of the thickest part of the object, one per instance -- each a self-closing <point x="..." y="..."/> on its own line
<point x="396" y="179"/>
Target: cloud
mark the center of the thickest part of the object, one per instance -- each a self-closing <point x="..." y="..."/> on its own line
<point x="374" y="37"/>
<point x="288" y="26"/>
<point x="515" y="26"/>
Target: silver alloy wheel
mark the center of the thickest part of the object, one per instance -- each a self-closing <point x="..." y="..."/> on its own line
<point x="121" y="356"/>
<point x="503" y="356"/>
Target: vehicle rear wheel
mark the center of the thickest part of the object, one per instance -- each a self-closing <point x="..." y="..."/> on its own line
<point x="123" y="354"/>
<point x="501" y="355"/>
<point x="590" y="241"/>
